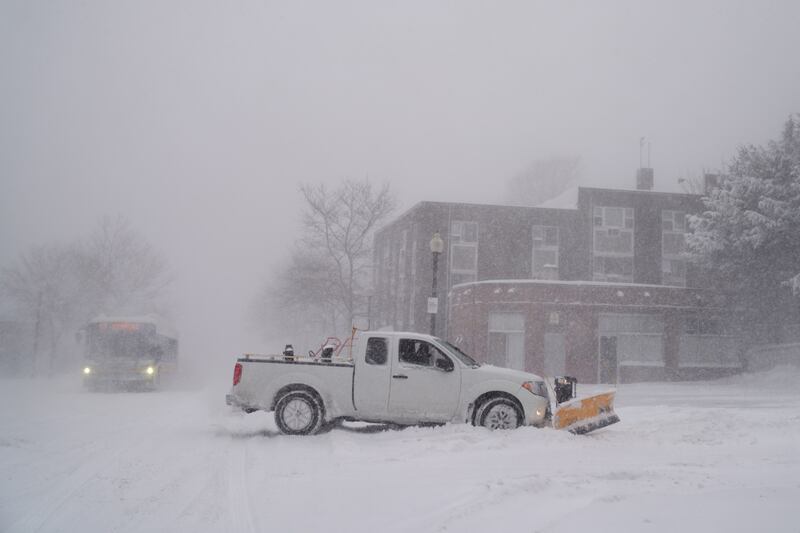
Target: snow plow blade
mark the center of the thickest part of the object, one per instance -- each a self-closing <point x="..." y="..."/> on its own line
<point x="583" y="415"/>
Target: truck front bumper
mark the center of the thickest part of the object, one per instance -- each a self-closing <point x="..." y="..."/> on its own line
<point x="536" y="408"/>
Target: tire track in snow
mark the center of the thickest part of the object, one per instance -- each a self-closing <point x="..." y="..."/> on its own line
<point x="91" y="461"/>
<point x="238" y="494"/>
<point x="97" y="457"/>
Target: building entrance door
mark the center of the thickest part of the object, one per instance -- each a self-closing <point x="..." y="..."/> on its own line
<point x="608" y="360"/>
<point x="555" y="354"/>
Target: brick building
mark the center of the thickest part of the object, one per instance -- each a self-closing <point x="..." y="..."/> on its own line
<point x="598" y="289"/>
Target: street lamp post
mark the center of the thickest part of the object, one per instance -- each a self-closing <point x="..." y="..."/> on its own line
<point x="437" y="247"/>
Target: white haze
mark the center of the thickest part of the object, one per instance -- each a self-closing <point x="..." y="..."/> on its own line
<point x="198" y="120"/>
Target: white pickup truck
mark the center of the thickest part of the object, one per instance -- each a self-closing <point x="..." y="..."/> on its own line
<point x="401" y="378"/>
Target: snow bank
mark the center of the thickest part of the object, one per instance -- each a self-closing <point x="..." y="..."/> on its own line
<point x="773" y="355"/>
<point x="691" y="456"/>
<point x="781" y="377"/>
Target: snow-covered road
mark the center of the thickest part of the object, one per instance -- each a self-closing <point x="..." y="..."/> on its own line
<point x="718" y="456"/>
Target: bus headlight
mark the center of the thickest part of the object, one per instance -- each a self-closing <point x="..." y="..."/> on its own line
<point x="87" y="370"/>
<point x="150" y="371"/>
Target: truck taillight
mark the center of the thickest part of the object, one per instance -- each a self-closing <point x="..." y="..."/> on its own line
<point x="237" y="373"/>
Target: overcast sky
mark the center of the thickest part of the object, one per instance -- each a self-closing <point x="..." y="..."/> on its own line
<point x="198" y="120"/>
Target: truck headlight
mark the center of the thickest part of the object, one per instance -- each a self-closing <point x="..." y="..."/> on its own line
<point x="87" y="370"/>
<point x="150" y="371"/>
<point x="536" y="387"/>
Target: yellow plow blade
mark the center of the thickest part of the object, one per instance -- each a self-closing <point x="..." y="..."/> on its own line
<point x="583" y="415"/>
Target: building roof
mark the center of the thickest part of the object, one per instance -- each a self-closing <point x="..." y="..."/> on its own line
<point x="567" y="200"/>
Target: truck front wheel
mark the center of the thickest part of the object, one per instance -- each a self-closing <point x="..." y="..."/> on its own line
<point x="298" y="413"/>
<point x="498" y="413"/>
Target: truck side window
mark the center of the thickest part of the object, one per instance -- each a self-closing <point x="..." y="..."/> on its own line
<point x="417" y="352"/>
<point x="376" y="351"/>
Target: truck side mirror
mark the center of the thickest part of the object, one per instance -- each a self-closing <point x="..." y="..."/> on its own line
<point x="444" y="364"/>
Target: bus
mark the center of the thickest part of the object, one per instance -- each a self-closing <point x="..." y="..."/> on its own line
<point x="129" y="352"/>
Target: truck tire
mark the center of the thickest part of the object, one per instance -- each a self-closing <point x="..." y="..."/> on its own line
<point x="298" y="413"/>
<point x="498" y="413"/>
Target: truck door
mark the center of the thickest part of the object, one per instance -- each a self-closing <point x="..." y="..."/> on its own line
<point x="372" y="380"/>
<point x="426" y="383"/>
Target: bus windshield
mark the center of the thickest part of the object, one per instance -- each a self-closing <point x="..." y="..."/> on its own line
<point x="123" y="343"/>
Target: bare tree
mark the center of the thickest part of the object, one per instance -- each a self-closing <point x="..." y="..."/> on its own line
<point x="542" y="180"/>
<point x="326" y="278"/>
<point x="299" y="299"/>
<point x="58" y="288"/>
<point x="123" y="272"/>
<point x="340" y="224"/>
<point x="44" y="287"/>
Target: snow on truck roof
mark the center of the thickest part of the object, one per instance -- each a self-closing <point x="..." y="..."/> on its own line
<point x="386" y="333"/>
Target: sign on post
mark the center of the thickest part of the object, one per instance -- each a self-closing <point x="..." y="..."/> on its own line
<point x="433" y="305"/>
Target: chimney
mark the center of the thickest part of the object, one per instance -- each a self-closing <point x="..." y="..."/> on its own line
<point x="644" y="179"/>
<point x="710" y="182"/>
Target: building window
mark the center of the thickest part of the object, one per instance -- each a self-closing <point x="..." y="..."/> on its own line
<point x="412" y="293"/>
<point x="544" y="260"/>
<point x="387" y="278"/>
<point x="639" y="338"/>
<point x="400" y="301"/>
<point x="705" y="343"/>
<point x="463" y="252"/>
<point x="613" y="244"/>
<point x="673" y="246"/>
<point x="507" y="340"/>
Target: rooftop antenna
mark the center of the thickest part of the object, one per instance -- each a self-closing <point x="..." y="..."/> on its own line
<point x="641" y="145"/>
<point x="644" y="174"/>
<point x="641" y="152"/>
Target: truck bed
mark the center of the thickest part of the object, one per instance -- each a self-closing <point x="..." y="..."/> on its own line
<point x="334" y="381"/>
<point x="260" y="358"/>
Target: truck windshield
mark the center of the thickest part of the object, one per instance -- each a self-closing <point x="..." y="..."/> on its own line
<point x="464" y="358"/>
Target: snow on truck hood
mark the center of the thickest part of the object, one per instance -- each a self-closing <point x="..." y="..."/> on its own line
<point x="508" y="374"/>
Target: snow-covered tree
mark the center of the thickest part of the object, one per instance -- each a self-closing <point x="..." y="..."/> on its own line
<point x="749" y="235"/>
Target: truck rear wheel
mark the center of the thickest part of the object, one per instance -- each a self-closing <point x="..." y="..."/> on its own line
<point x="298" y="413"/>
<point x="498" y="413"/>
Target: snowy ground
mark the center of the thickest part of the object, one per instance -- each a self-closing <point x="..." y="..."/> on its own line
<point x="719" y="456"/>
